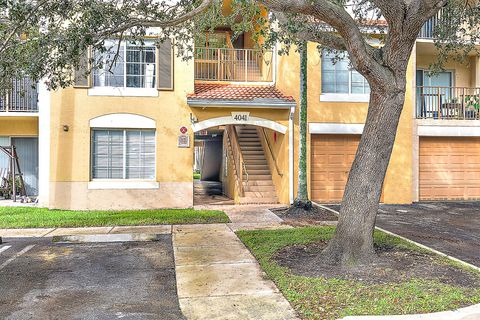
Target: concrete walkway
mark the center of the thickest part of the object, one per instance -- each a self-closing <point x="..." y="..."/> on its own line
<point x="218" y="278"/>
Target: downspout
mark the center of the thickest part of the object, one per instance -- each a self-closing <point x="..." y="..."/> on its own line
<point x="291" y="154"/>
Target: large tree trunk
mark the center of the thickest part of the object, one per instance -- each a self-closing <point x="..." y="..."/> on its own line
<point x="302" y="192"/>
<point x="353" y="240"/>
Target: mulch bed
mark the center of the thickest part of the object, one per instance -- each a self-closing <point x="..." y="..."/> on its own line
<point x="317" y="216"/>
<point x="394" y="265"/>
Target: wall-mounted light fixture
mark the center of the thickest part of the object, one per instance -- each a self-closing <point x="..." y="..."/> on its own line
<point x="66" y="128"/>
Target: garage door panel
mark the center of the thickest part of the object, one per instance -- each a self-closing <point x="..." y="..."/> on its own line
<point x="330" y="177"/>
<point x="449" y="168"/>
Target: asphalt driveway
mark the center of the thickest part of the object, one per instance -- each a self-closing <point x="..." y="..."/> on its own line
<point x="449" y="227"/>
<point x="130" y="280"/>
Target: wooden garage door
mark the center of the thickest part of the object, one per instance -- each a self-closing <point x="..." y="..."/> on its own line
<point x="332" y="158"/>
<point x="449" y="168"/>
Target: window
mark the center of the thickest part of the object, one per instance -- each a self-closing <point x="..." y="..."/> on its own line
<point x="134" y="67"/>
<point x="123" y="154"/>
<point x="340" y="78"/>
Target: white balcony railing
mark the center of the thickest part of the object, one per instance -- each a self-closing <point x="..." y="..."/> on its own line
<point x="233" y="65"/>
<point x="428" y="29"/>
<point x="459" y="103"/>
<point x="22" y="97"/>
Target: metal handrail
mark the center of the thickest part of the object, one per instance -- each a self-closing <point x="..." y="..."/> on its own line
<point x="238" y="162"/>
<point x="262" y="130"/>
<point x="442" y="102"/>
<point x="21" y="97"/>
<point x="230" y="64"/>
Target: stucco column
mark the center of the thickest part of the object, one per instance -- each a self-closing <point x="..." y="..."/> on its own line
<point x="477" y="72"/>
<point x="43" y="144"/>
<point x="291" y="155"/>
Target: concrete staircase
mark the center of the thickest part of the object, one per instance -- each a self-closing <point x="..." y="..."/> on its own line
<point x="259" y="188"/>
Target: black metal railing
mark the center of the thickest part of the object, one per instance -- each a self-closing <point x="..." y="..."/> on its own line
<point x="21" y="97"/>
<point x="459" y="103"/>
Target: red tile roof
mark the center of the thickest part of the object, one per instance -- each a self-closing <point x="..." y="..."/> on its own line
<point x="237" y="92"/>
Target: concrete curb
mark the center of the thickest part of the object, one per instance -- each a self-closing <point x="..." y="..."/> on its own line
<point x="413" y="242"/>
<point x="467" y="313"/>
<point x="106" y="238"/>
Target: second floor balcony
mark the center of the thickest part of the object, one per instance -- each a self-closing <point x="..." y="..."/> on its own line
<point x="22" y="97"/>
<point x="234" y="65"/>
<point x="449" y="103"/>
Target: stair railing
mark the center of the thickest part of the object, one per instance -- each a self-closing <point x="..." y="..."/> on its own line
<point x="238" y="162"/>
<point x="262" y="132"/>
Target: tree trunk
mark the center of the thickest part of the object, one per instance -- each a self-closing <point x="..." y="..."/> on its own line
<point x="353" y="240"/>
<point x="302" y="205"/>
<point x="302" y="192"/>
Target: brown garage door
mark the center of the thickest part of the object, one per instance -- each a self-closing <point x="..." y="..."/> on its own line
<point x="449" y="168"/>
<point x="332" y="158"/>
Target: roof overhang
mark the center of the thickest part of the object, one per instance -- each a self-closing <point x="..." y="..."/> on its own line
<point x="254" y="104"/>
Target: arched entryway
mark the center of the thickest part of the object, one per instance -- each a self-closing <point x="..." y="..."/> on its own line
<point x="239" y="162"/>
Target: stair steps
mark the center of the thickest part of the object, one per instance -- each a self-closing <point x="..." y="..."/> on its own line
<point x="259" y="189"/>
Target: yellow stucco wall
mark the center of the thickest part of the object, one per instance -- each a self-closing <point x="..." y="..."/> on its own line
<point x="398" y="182"/>
<point x="18" y="126"/>
<point x="463" y="76"/>
<point x="70" y="151"/>
<point x="279" y="146"/>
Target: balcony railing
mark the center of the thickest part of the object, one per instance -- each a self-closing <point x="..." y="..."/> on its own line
<point x="21" y="97"/>
<point x="233" y="65"/>
<point x="428" y="29"/>
<point x="459" y="103"/>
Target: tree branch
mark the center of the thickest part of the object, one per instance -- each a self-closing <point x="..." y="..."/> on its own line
<point x="135" y="22"/>
<point x="362" y="55"/>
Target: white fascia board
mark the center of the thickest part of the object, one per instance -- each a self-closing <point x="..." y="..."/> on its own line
<point x="335" y="128"/>
<point x="448" y="131"/>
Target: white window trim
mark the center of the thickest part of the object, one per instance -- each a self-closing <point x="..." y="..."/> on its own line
<point x="345" y="97"/>
<point x="126" y="91"/>
<point x="123" y="92"/>
<point x="124" y="183"/>
<point x="122" y="121"/>
<point x="120" y="184"/>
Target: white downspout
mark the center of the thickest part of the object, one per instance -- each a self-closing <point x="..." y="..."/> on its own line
<point x="291" y="154"/>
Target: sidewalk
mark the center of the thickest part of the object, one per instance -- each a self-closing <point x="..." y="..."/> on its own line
<point x="217" y="277"/>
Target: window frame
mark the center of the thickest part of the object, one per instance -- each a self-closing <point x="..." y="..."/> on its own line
<point x="343" y="97"/>
<point x="124" y="166"/>
<point x="124" y="90"/>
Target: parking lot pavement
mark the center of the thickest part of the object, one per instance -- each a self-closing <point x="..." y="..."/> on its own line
<point x="452" y="228"/>
<point x="130" y="280"/>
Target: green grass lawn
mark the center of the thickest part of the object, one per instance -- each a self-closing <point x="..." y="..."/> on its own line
<point x="28" y="217"/>
<point x="320" y="298"/>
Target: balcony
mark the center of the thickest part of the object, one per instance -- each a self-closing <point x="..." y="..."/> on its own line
<point x="21" y="98"/>
<point x="428" y="29"/>
<point x="233" y="65"/>
<point x="457" y="103"/>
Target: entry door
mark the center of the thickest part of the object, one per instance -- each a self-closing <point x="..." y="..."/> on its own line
<point x="27" y="151"/>
<point x="433" y="91"/>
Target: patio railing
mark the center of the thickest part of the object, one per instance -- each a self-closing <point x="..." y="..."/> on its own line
<point x="22" y="97"/>
<point x="428" y="29"/>
<point x="233" y="65"/>
<point x="448" y="103"/>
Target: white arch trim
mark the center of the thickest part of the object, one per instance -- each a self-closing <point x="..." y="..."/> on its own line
<point x="254" y="121"/>
<point x="123" y="121"/>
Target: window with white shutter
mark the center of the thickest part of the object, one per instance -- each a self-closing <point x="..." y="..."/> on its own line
<point x="123" y="154"/>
